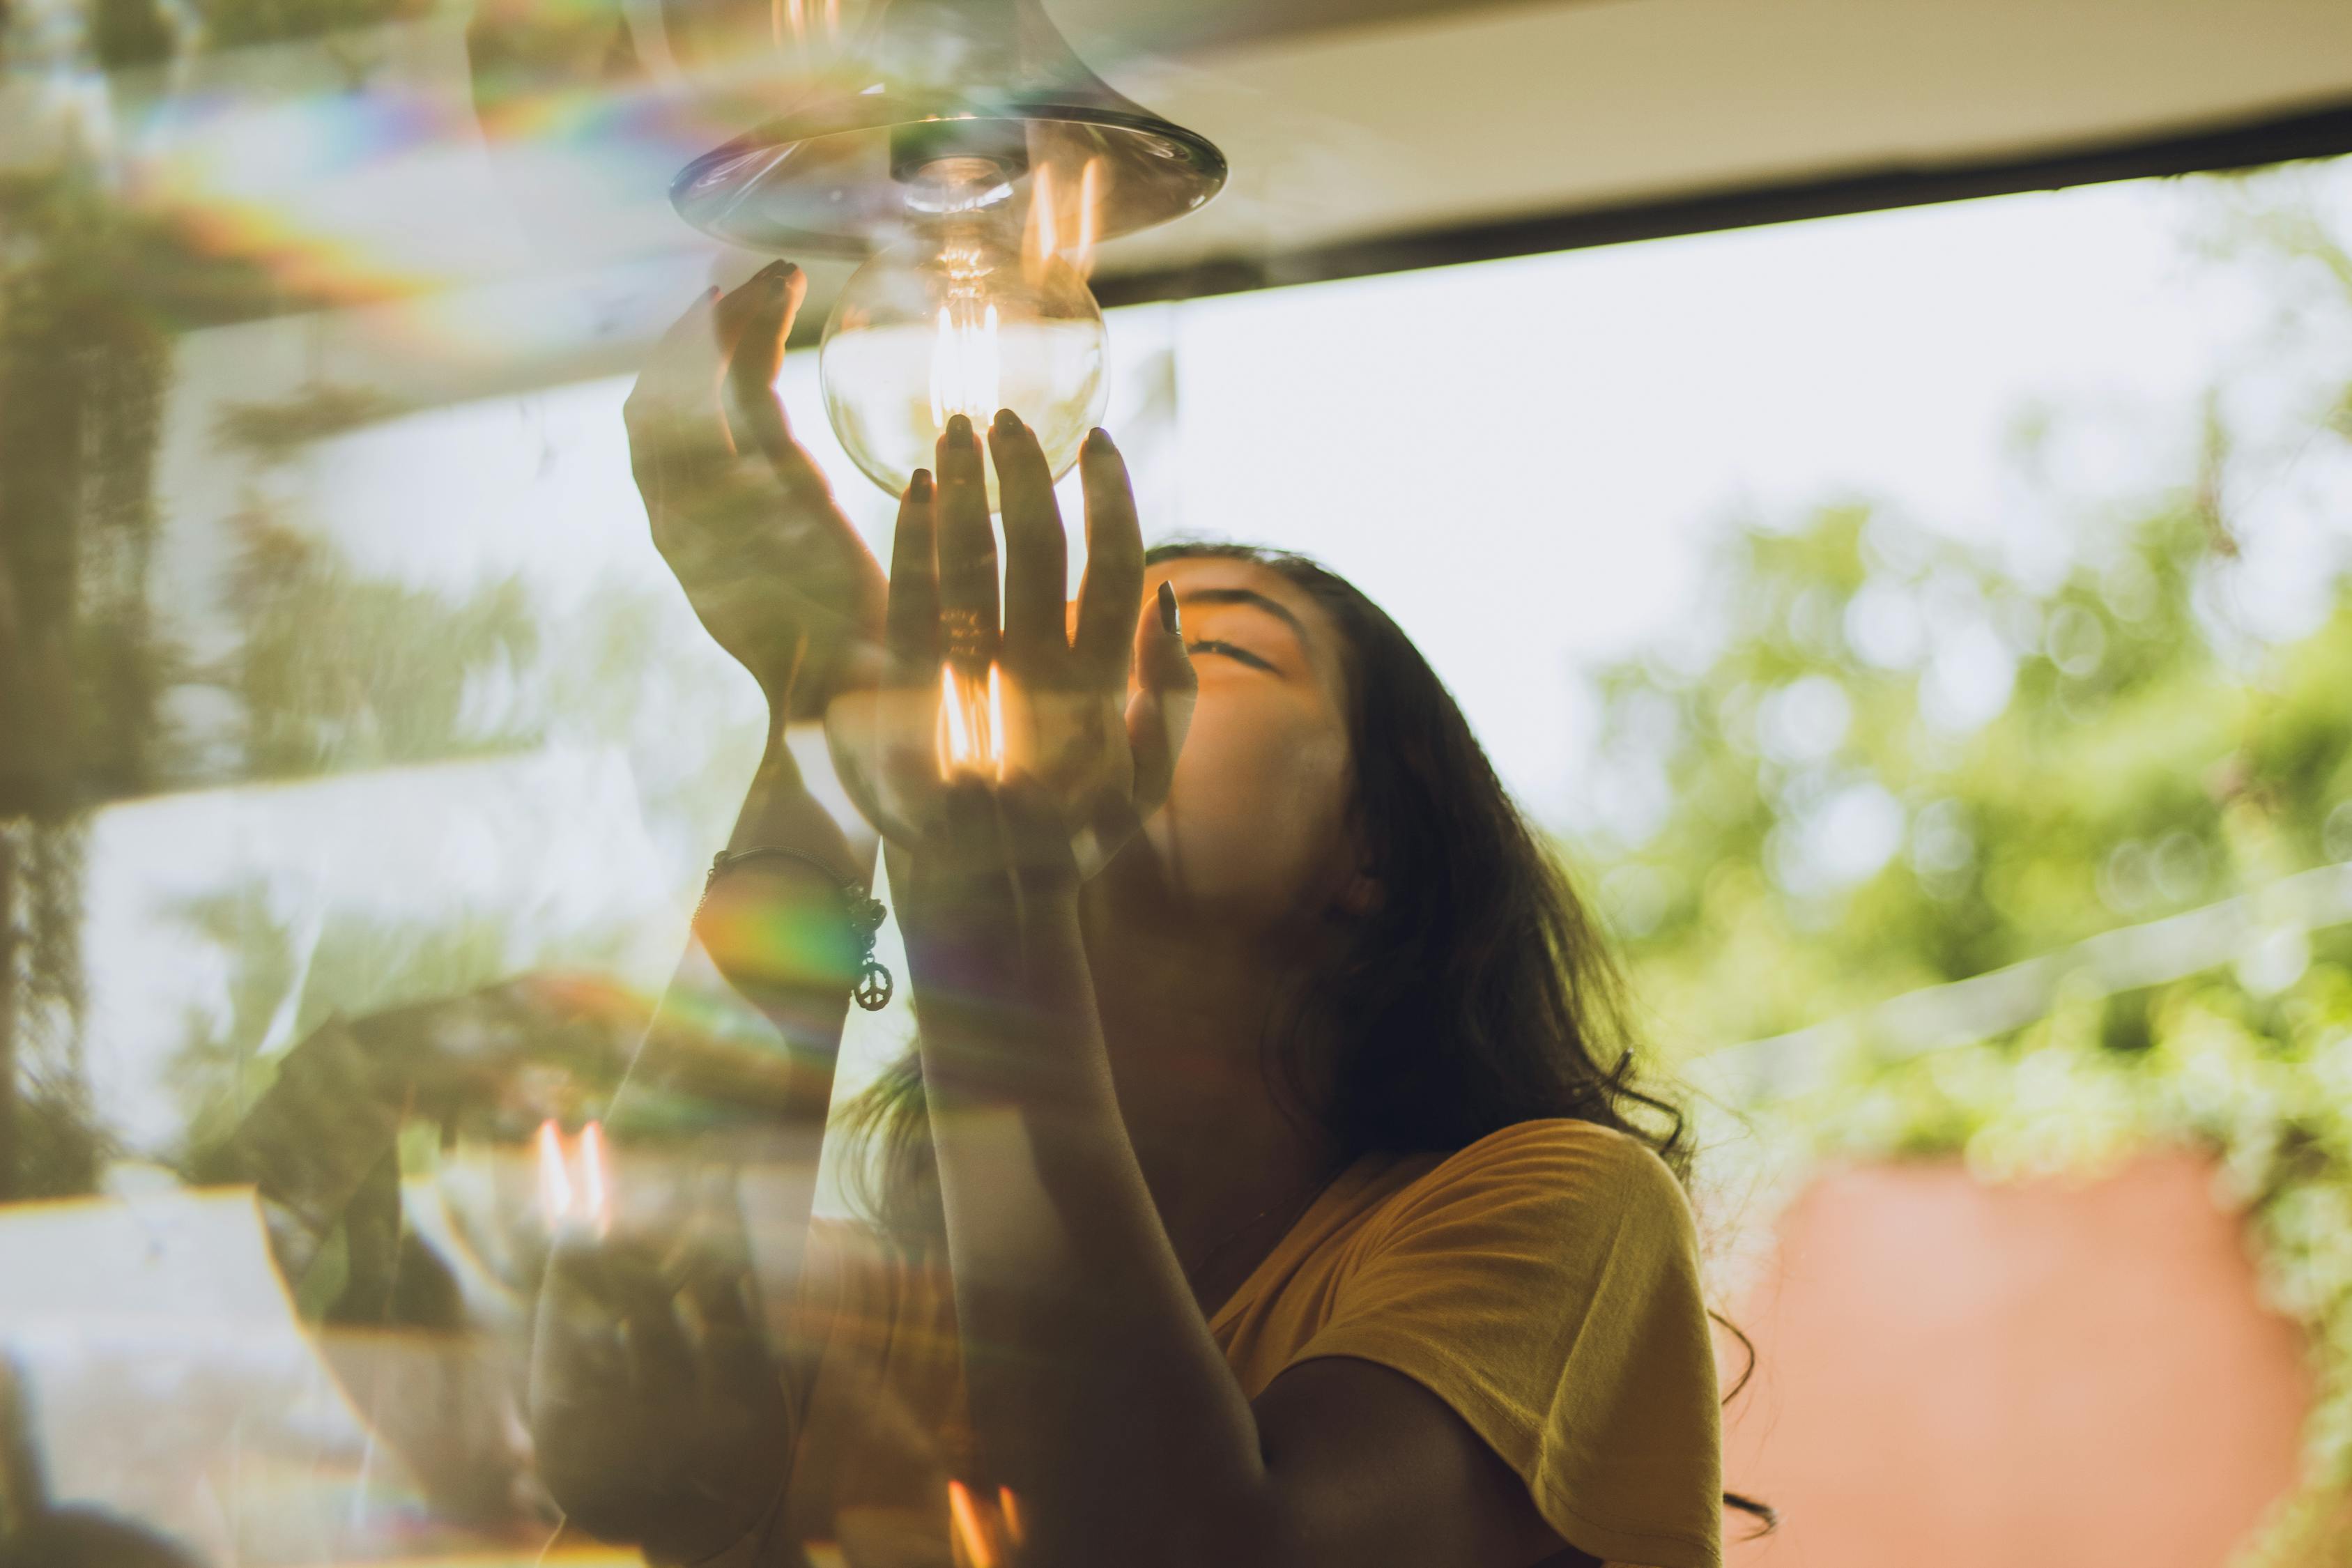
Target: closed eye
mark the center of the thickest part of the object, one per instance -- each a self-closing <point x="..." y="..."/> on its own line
<point x="1213" y="645"/>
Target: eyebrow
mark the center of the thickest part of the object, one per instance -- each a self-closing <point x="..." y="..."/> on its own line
<point x="1247" y="596"/>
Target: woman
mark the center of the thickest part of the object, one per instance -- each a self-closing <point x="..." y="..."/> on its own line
<point x="1277" y="1195"/>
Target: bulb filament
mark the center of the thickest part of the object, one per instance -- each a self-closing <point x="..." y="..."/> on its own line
<point x="963" y="353"/>
<point x="971" y="724"/>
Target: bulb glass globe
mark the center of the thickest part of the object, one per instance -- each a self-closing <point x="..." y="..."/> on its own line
<point x="969" y="315"/>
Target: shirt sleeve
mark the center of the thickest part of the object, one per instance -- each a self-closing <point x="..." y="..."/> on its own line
<point x="1544" y="1282"/>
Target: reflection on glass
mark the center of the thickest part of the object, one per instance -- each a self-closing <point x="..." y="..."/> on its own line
<point x="360" y="757"/>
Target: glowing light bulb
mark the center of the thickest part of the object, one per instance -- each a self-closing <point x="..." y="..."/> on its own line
<point x="985" y="306"/>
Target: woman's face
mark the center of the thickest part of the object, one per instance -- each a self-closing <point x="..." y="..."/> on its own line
<point x="1255" y="830"/>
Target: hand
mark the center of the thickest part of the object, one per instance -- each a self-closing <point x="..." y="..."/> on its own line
<point x="463" y="1050"/>
<point x="740" y="513"/>
<point x="657" y="1415"/>
<point x="1079" y="758"/>
<point x="340" y="1092"/>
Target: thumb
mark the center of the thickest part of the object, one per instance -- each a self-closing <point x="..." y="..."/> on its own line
<point x="1161" y="711"/>
<point x="749" y="323"/>
<point x="749" y="326"/>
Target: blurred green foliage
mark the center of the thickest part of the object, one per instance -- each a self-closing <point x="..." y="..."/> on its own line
<point x="337" y="671"/>
<point x="231" y="23"/>
<point x="285" y="977"/>
<point x="127" y="34"/>
<point x="1837" y="831"/>
<point x="334" y="671"/>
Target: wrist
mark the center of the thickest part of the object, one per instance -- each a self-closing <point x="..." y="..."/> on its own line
<point x="785" y="921"/>
<point x="1010" y="946"/>
<point x="1006" y="1006"/>
<point x="971" y="916"/>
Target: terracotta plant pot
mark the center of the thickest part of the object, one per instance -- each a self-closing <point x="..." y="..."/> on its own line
<point x="2046" y="1374"/>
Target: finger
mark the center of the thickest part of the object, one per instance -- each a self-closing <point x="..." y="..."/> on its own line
<point x="683" y="373"/>
<point x="732" y="1347"/>
<point x="711" y="1241"/>
<point x="1161" y="711"/>
<point x="577" y="1337"/>
<point x="967" y="548"/>
<point x="754" y="322"/>
<point x="1113" y="590"/>
<point x="672" y="412"/>
<point x="1037" y="555"/>
<point x="658" y="1353"/>
<point x="718" y="1284"/>
<point x="912" y="628"/>
<point x="759" y="316"/>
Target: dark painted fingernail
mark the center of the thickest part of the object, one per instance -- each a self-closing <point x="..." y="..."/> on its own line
<point x="1099" y="439"/>
<point x="919" y="488"/>
<point x="1167" y="622"/>
<point x="1007" y="420"/>
<point x="958" y="428"/>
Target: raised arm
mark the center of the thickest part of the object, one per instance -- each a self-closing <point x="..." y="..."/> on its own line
<point x="658" y="1413"/>
<point x="1098" y="1394"/>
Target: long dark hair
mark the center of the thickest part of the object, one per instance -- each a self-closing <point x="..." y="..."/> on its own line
<point x="1478" y="993"/>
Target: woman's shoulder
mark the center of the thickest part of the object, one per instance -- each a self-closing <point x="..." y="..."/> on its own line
<point x="1557" y="1147"/>
<point x="1553" y="1166"/>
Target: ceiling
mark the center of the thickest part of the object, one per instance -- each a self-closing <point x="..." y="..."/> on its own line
<point x="1443" y="117"/>
<point x="480" y="224"/>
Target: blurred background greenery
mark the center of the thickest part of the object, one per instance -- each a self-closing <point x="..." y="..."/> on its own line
<point x="2044" y="867"/>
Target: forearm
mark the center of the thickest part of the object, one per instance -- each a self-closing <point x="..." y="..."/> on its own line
<point x="775" y="927"/>
<point x="310" y="1141"/>
<point x="776" y="930"/>
<point x="779" y="809"/>
<point x="1098" y="1394"/>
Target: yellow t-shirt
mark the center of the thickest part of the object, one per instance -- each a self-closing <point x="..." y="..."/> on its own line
<point x="1544" y="1282"/>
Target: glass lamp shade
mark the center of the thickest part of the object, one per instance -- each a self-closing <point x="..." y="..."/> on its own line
<point x="969" y="145"/>
<point x="939" y="78"/>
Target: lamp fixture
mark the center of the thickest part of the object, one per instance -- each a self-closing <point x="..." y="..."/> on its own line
<point x="969" y="153"/>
